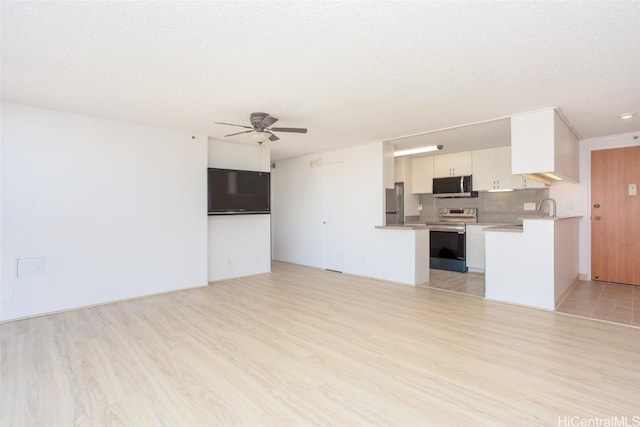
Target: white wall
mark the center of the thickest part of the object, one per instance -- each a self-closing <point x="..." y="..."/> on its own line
<point x="578" y="196"/>
<point x="565" y="255"/>
<point x="116" y="210"/>
<point x="297" y="209"/>
<point x="238" y="245"/>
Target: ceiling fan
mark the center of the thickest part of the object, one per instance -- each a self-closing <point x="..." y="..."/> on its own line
<point x="261" y="124"/>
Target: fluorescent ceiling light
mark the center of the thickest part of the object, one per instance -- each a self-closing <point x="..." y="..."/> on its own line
<point x="626" y="116"/>
<point x="418" y="150"/>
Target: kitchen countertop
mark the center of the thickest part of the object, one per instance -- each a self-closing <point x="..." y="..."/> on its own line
<point x="514" y="228"/>
<point x="518" y="228"/>
<point x="423" y="226"/>
<point x="551" y="218"/>
<point x="508" y="226"/>
<point x="403" y="227"/>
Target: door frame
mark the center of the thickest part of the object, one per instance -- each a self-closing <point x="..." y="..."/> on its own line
<point x="610" y="142"/>
<point x="325" y="243"/>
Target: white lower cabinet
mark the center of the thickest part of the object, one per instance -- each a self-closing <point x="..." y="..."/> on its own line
<point x="475" y="247"/>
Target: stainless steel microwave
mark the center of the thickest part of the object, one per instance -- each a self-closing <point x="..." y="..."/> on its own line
<point x="453" y="186"/>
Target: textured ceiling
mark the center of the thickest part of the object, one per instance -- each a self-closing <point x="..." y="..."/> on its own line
<point x="352" y="72"/>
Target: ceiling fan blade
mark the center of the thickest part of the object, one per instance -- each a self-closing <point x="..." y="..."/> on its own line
<point x="233" y="124"/>
<point x="296" y="130"/>
<point x="238" y="133"/>
<point x="272" y="137"/>
<point x="268" y="121"/>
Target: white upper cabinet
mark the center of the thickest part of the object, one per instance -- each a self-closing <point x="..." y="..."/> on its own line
<point x="520" y="181"/>
<point x="492" y="169"/>
<point x="399" y="169"/>
<point x="543" y="146"/>
<point x="455" y="164"/>
<point x="484" y="169"/>
<point x="388" y="165"/>
<point x="403" y="173"/>
<point x="422" y="175"/>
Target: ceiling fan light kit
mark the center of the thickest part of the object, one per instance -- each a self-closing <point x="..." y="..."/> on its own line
<point x="261" y="137"/>
<point x="261" y="128"/>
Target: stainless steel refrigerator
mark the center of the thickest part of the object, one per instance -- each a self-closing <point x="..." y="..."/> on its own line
<point x="394" y="199"/>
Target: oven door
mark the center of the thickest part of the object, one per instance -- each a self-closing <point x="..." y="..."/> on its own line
<point x="447" y="250"/>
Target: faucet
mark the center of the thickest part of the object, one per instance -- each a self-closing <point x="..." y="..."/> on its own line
<point x="552" y="211"/>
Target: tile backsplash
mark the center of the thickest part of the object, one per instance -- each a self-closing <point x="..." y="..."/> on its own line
<point x="505" y="207"/>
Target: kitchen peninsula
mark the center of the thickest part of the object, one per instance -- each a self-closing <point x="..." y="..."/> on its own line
<point x="534" y="264"/>
<point x="406" y="251"/>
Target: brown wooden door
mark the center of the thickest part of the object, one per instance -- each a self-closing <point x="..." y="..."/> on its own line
<point x="615" y="215"/>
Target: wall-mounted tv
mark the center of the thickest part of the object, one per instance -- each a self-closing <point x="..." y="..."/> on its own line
<point x="238" y="192"/>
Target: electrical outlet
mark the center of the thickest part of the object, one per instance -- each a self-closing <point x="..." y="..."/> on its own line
<point x="529" y="206"/>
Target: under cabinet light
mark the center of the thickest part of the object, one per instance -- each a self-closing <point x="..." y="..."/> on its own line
<point x="418" y="150"/>
<point x="552" y="176"/>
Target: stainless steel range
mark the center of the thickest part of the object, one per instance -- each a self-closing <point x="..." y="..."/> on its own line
<point x="448" y="238"/>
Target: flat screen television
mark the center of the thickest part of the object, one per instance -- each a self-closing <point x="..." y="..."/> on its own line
<point x="238" y="192"/>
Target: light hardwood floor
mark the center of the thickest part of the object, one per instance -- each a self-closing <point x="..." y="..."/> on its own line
<point x="300" y="346"/>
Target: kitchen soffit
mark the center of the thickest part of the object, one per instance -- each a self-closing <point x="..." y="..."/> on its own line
<point x="495" y="133"/>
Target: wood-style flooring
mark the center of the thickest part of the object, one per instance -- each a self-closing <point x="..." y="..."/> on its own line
<point x="300" y="346"/>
